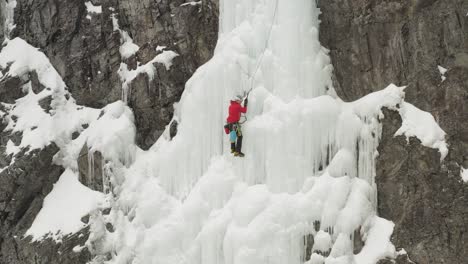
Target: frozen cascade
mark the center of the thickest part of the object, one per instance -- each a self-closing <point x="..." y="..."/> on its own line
<point x="304" y="193"/>
<point x="7" y="13"/>
<point x="283" y="77"/>
<point x="308" y="171"/>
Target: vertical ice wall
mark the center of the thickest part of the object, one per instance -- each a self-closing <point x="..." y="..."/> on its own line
<point x="272" y="44"/>
<point x="305" y="187"/>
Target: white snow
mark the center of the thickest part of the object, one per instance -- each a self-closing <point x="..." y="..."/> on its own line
<point x="192" y="3"/>
<point x="25" y="58"/>
<point x="11" y="148"/>
<point x="322" y="241"/>
<point x="165" y="58"/>
<point x="112" y="134"/>
<point x="94" y="9"/>
<point x="422" y="125"/>
<point x="442" y="71"/>
<point x="38" y="127"/>
<point x="402" y="252"/>
<point x="110" y="130"/>
<point x="127" y="47"/>
<point x="160" y="48"/>
<point x="127" y="76"/>
<point x="64" y="207"/>
<point x="378" y="245"/>
<point x="464" y="174"/>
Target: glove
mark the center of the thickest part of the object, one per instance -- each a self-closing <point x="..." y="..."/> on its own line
<point x="246" y="102"/>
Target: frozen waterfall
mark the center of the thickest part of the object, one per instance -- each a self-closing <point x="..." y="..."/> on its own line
<point x="305" y="188"/>
<point x="304" y="193"/>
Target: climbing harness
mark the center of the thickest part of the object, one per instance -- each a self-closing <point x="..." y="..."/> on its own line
<point x="233" y="130"/>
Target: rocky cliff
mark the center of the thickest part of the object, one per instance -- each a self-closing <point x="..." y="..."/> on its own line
<point x="84" y="47"/>
<point x="83" y="42"/>
<point x="372" y="43"/>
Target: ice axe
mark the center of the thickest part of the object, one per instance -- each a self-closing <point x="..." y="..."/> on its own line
<point x="246" y="94"/>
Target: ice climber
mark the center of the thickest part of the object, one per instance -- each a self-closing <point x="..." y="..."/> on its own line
<point x="233" y="127"/>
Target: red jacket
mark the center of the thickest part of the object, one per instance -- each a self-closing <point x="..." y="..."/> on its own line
<point x="235" y="110"/>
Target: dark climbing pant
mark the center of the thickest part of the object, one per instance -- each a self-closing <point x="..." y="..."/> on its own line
<point x="239" y="144"/>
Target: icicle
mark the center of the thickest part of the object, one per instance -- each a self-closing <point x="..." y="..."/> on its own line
<point x="8" y="12"/>
<point x="90" y="167"/>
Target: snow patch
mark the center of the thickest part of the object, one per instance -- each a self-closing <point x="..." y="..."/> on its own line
<point x="464" y="174"/>
<point x="160" y="48"/>
<point x="64" y="207"/>
<point x="39" y="128"/>
<point x="11" y="148"/>
<point x="24" y="58"/>
<point x="127" y="47"/>
<point x="112" y="134"/>
<point x="422" y="125"/>
<point x="442" y="71"/>
<point x="165" y="58"/>
<point x="378" y="245"/>
<point x="94" y="9"/>
<point x="192" y="3"/>
<point x="109" y="130"/>
<point x="127" y="76"/>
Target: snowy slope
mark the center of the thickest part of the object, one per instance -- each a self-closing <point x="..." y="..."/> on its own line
<point x="310" y="157"/>
<point x="109" y="130"/>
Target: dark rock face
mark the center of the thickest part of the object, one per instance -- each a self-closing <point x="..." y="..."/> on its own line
<point x="189" y="30"/>
<point x="84" y="51"/>
<point x="84" y="48"/>
<point x="373" y="43"/>
<point x="90" y="169"/>
<point x="2" y="19"/>
<point x="23" y="187"/>
<point x="9" y="89"/>
<point x="47" y="251"/>
<point x="425" y="198"/>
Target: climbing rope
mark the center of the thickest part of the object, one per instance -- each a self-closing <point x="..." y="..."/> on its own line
<point x="260" y="60"/>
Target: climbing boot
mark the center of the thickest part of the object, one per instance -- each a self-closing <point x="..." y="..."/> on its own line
<point x="233" y="147"/>
<point x="239" y="154"/>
